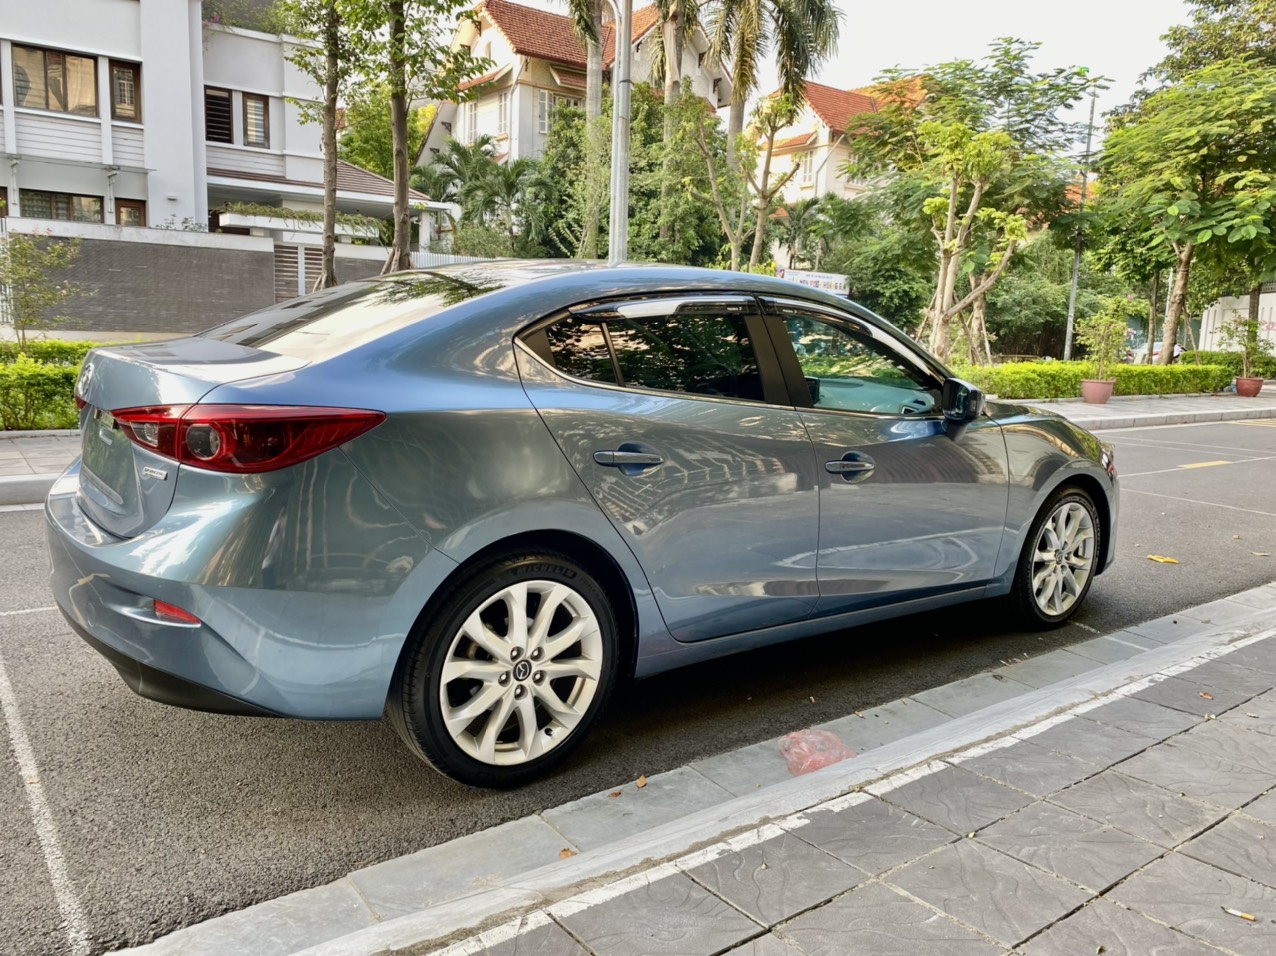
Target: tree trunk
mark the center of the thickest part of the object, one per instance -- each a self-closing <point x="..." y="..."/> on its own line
<point x="1255" y="297"/>
<point x="1153" y="311"/>
<point x="327" y="277"/>
<point x="595" y="139"/>
<point x="980" y="347"/>
<point x="400" y="257"/>
<point x="672" y="36"/>
<point x="1178" y="301"/>
<point x="735" y="125"/>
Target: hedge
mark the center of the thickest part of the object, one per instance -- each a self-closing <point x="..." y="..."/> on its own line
<point x="1264" y="365"/>
<point x="37" y="394"/>
<point x="49" y="351"/>
<point x="1063" y="379"/>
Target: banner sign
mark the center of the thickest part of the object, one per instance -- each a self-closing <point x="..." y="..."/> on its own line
<point x="828" y="281"/>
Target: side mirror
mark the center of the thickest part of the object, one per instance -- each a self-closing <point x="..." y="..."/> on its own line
<point x="963" y="403"/>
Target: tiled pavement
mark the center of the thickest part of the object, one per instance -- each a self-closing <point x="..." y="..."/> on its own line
<point x="1110" y="798"/>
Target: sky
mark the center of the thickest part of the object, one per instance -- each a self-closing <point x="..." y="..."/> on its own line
<point x="1118" y="39"/>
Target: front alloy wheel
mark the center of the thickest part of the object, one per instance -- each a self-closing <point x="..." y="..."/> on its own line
<point x="510" y="676"/>
<point x="1059" y="560"/>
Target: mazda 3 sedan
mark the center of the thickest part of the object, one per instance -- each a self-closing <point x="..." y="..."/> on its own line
<point x="473" y="499"/>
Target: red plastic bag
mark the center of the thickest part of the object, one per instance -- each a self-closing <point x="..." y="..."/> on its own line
<point x="807" y="750"/>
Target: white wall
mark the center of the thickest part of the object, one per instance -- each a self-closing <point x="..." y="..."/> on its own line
<point x="104" y="27"/>
<point x="168" y="61"/>
<point x="1226" y="310"/>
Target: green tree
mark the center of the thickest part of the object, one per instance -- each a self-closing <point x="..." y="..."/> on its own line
<point x="1195" y="166"/>
<point x="368" y="140"/>
<point x="30" y="290"/>
<point x="500" y="198"/>
<point x="804" y="35"/>
<point x="587" y="23"/>
<point x="802" y="229"/>
<point x="1219" y="30"/>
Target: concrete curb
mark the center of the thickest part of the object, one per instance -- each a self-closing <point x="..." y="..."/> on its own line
<point x="1173" y="418"/>
<point x="26" y="489"/>
<point x="42" y="433"/>
<point x="1204" y="632"/>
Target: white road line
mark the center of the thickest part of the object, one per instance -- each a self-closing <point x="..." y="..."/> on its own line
<point x="1193" y="501"/>
<point x="1197" y="464"/>
<point x="77" y="929"/>
<point x="28" y="610"/>
<point x="34" y="507"/>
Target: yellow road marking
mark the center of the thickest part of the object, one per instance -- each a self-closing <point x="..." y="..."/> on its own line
<point x="1207" y="464"/>
<point x="1265" y="423"/>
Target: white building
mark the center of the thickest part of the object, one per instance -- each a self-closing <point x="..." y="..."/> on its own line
<point x="816" y="144"/>
<point x="1229" y="310"/>
<point x="539" y="65"/>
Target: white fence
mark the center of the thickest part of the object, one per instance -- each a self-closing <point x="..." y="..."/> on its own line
<point x="428" y="260"/>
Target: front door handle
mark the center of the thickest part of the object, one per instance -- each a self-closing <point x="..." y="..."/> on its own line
<point x="853" y="466"/>
<point x="628" y="459"/>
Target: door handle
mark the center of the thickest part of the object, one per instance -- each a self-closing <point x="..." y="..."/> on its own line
<point x="628" y="459"/>
<point x="853" y="466"/>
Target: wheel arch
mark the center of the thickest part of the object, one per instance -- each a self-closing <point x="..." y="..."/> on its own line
<point x="1083" y="481"/>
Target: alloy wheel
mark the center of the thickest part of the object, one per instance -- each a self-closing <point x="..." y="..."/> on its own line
<point x="1063" y="558"/>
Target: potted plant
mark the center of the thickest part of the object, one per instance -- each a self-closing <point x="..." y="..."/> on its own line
<point x="1103" y="335"/>
<point x="1240" y="336"/>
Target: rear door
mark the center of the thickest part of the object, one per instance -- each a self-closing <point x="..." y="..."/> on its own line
<point x="906" y="509"/>
<point x="661" y="406"/>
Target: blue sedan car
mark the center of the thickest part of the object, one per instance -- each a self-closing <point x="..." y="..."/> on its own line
<point x="471" y="500"/>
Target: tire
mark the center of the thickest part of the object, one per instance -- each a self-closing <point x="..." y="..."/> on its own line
<point x="1058" y="562"/>
<point x="465" y="668"/>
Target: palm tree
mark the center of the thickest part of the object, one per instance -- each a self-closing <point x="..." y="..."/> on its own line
<point x="498" y="197"/>
<point x="801" y="231"/>
<point x="444" y="179"/>
<point x="805" y="35"/>
<point x="587" y="23"/>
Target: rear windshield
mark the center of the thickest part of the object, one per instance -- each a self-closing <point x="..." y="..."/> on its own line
<point x="322" y="324"/>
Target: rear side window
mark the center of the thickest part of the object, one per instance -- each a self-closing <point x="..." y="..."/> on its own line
<point x="699" y="352"/>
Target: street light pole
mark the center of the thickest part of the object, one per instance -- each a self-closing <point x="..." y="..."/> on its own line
<point x="1076" y="257"/>
<point x="618" y="218"/>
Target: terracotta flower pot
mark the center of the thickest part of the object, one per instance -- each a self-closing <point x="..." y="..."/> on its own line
<point x="1097" y="391"/>
<point x="1248" y="387"/>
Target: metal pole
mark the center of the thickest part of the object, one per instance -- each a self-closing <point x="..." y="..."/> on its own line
<point x="1076" y="256"/>
<point x="618" y="218"/>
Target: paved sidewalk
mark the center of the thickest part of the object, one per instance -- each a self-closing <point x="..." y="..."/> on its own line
<point x="28" y="464"/>
<point x="1117" y="797"/>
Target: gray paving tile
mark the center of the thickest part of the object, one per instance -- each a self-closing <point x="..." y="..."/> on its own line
<point x="1096" y="744"/>
<point x="767" y="945"/>
<point x="1257" y="715"/>
<point x="1264" y="808"/>
<point x="549" y="940"/>
<point x="747" y="769"/>
<point x="1186" y="696"/>
<point x="1238" y="845"/>
<point x="1191" y="896"/>
<point x="598" y="819"/>
<point x="1025" y="766"/>
<point x="1073" y="846"/>
<point x="1234" y="678"/>
<point x="1165" y="630"/>
<point x="874" y="836"/>
<point x="1261" y="597"/>
<point x="1232" y="741"/>
<point x="1143" y="717"/>
<point x="410" y="883"/>
<point x="874" y="920"/>
<point x="957" y="799"/>
<point x="1220" y="612"/>
<point x="1048" y="668"/>
<point x="1103" y="927"/>
<point x="971" y="694"/>
<point x="673" y="915"/>
<point x="879" y="726"/>
<point x="1127" y="636"/>
<point x="1260" y="655"/>
<point x="1205" y="776"/>
<point x="1109" y="649"/>
<point x="997" y="895"/>
<point x="776" y="879"/>
<point x="1139" y="808"/>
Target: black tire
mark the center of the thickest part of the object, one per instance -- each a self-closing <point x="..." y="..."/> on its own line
<point x="1023" y="598"/>
<point x="415" y="707"/>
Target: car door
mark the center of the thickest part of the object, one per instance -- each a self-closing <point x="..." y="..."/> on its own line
<point x="909" y="506"/>
<point x="661" y="406"/>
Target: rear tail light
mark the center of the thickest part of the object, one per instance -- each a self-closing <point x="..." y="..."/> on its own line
<point x="243" y="439"/>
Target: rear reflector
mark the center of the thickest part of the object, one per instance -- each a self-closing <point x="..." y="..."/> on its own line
<point x="243" y="439"/>
<point x="171" y="612"/>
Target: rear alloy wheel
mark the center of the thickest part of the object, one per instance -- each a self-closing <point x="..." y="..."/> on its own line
<point x="1059" y="560"/>
<point x="507" y="679"/>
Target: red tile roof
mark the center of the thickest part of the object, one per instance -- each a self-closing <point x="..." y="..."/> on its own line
<point x="549" y="36"/>
<point x="836" y="107"/>
<point x="485" y="78"/>
<point x="793" y="142"/>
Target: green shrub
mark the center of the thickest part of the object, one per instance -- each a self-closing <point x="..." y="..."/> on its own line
<point x="1041" y="380"/>
<point x="49" y="351"/>
<point x="37" y="395"/>
<point x="1263" y="365"/>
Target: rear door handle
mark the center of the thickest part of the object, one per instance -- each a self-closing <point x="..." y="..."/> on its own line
<point x="853" y="466"/>
<point x="631" y="459"/>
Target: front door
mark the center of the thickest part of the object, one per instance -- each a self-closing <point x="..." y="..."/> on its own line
<point x="906" y="509"/>
<point x="661" y="407"/>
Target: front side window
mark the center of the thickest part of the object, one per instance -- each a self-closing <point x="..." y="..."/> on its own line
<point x="699" y="351"/>
<point x="256" y="121"/>
<point x="52" y="80"/>
<point x="850" y="371"/>
<point x="38" y="204"/>
<point x="126" y="85"/>
<point x="218" y="126"/>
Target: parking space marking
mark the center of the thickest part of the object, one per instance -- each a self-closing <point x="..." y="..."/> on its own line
<point x="1265" y="423"/>
<point x="28" y="610"/>
<point x="1193" y="501"/>
<point x="1207" y="464"/>
<point x="1197" y="464"/>
<point x="76" y="925"/>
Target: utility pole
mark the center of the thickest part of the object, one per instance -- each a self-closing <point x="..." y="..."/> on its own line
<point x="1076" y="257"/>
<point x="618" y="218"/>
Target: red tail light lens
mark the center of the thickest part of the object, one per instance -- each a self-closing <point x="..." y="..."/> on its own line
<point x="171" y="612"/>
<point x="243" y="439"/>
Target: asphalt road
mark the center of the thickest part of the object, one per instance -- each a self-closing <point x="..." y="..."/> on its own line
<point x="166" y="817"/>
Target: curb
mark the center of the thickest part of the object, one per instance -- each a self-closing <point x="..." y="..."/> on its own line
<point x="26" y="489"/>
<point x="1172" y="418"/>
<point x="490" y="898"/>
<point x="42" y="433"/>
